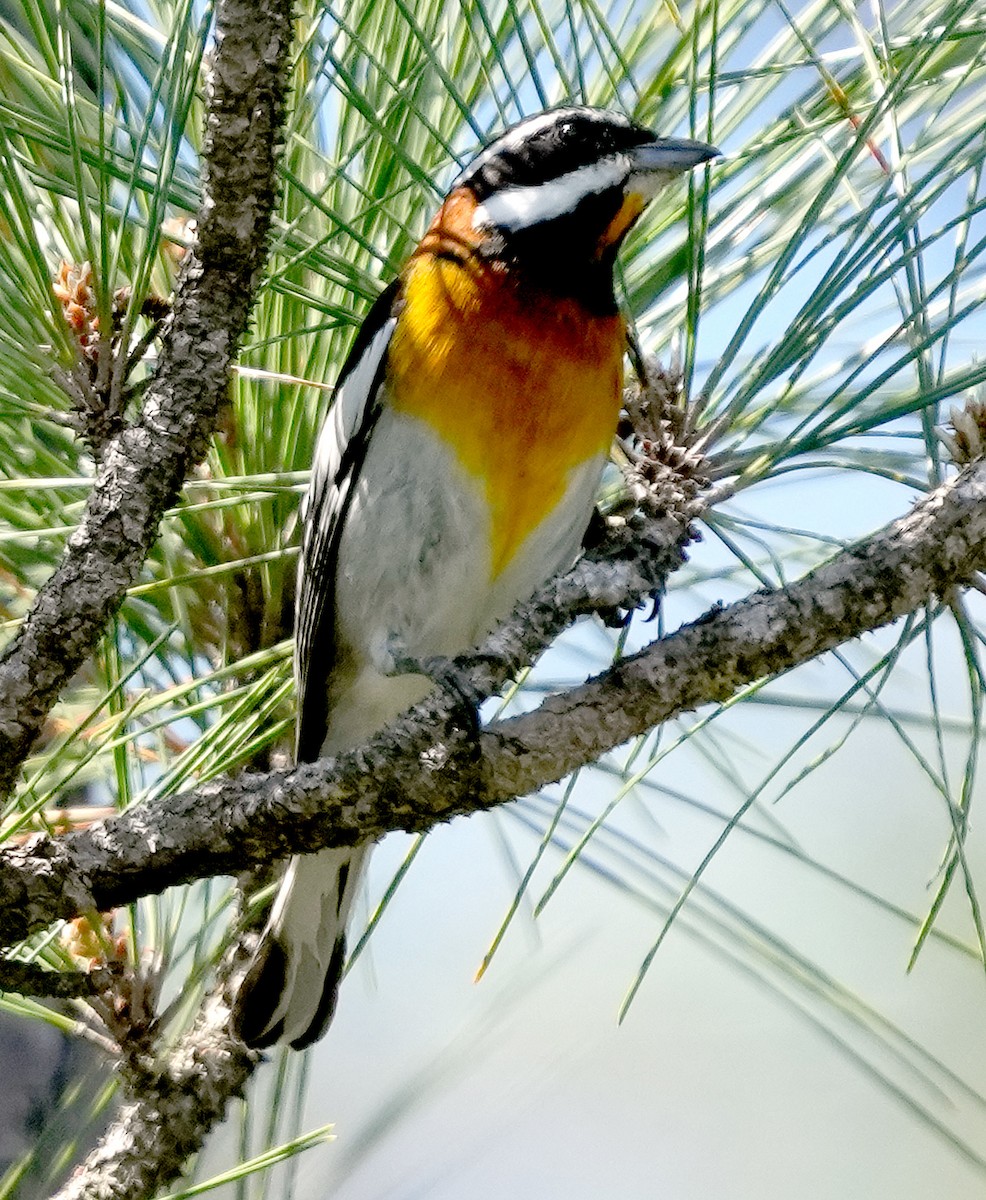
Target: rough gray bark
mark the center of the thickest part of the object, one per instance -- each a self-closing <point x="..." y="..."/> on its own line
<point x="431" y="766"/>
<point x="144" y="467"/>
<point x="171" y="1107"/>
<point x="938" y="546"/>
<point x="29" y="979"/>
<point x="170" y="1104"/>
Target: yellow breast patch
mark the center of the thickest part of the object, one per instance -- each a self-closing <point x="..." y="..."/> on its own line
<point x="523" y="388"/>
<point x="631" y="208"/>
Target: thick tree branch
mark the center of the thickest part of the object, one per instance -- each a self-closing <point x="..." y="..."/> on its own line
<point x="938" y="546"/>
<point x="171" y="1109"/>
<point x="431" y="767"/>
<point x="29" y="979"/>
<point x="172" y="1105"/>
<point x="144" y="467"/>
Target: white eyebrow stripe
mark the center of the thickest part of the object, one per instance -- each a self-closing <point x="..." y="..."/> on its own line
<point x="520" y="207"/>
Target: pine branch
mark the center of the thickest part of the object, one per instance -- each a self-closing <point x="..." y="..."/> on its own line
<point x="170" y="1108"/>
<point x="31" y="979"/>
<point x="433" y="765"/>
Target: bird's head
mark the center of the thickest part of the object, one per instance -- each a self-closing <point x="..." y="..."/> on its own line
<point x="554" y="196"/>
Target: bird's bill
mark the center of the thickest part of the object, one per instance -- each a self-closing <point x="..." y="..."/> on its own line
<point x="671" y="156"/>
<point x="653" y="165"/>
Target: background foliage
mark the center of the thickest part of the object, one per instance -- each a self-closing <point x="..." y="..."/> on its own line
<point x="822" y="288"/>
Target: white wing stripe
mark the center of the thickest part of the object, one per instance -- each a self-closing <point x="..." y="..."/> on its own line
<point x="347" y="414"/>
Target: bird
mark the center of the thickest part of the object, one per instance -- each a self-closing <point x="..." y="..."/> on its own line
<point x="455" y="473"/>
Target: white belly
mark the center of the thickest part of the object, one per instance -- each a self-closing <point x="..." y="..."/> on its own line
<point x="414" y="570"/>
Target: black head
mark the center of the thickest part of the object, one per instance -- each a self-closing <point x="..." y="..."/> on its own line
<point x="557" y="193"/>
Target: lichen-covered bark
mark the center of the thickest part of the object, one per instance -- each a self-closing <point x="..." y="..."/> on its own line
<point x="168" y="1114"/>
<point x="939" y="545"/>
<point x="431" y="766"/>
<point x="171" y="1103"/>
<point x="143" y="468"/>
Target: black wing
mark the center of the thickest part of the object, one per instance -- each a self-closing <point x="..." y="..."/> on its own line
<point x="339" y="456"/>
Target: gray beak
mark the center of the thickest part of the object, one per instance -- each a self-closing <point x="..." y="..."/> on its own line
<point x="671" y="155"/>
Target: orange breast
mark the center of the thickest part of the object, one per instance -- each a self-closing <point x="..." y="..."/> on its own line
<point x="524" y="388"/>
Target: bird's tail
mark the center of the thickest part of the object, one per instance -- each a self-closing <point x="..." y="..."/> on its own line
<point x="289" y="993"/>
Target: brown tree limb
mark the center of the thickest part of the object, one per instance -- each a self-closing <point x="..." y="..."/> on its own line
<point x="30" y="979"/>
<point x="170" y="1108"/>
<point x="170" y="1105"/>
<point x="144" y="467"/>
<point x="431" y="766"/>
<point x="937" y="547"/>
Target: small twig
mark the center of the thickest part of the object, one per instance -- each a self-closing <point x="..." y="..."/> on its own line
<point x="30" y="979"/>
